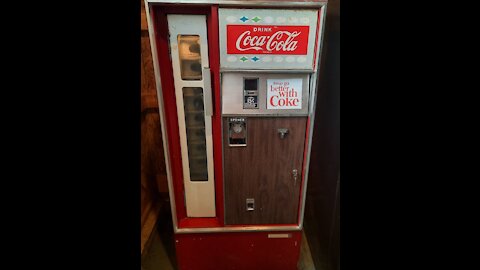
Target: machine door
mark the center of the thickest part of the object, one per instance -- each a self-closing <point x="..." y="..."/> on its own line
<point x="263" y="161"/>
<point x="189" y="54"/>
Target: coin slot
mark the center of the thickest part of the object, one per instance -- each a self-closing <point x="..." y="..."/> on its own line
<point x="250" y="93"/>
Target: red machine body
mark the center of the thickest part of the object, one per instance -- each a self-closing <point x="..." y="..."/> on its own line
<point x="236" y="164"/>
<point x="237" y="251"/>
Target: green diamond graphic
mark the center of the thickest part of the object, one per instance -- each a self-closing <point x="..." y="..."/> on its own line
<point x="256" y="19"/>
<point x="244" y="58"/>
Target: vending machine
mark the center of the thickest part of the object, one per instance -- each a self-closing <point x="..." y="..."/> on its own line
<point x="236" y="84"/>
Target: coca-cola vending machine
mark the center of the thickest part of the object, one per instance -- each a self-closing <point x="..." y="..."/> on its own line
<point x="237" y="83"/>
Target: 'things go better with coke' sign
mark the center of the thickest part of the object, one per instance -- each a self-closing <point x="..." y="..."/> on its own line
<point x="284" y="94"/>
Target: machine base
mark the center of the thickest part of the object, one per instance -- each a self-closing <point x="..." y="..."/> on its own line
<point x="239" y="251"/>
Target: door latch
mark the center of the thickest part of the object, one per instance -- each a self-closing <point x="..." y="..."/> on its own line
<point x="295" y="176"/>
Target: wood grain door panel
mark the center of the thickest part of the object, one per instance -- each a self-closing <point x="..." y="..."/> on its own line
<point x="262" y="170"/>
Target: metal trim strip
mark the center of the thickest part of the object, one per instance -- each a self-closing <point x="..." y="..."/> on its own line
<point x="156" y="70"/>
<point x="318" y="3"/>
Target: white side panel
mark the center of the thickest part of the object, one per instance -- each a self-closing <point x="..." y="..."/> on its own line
<point x="199" y="195"/>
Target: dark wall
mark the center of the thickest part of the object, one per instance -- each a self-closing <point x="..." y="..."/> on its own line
<point x="322" y="214"/>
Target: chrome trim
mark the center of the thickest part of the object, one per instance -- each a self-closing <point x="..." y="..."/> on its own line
<point x="313" y="100"/>
<point x="223" y="152"/>
<point x="239" y="229"/>
<point x="312" y="3"/>
<point x="264" y="115"/>
<point x="296" y="71"/>
<point x="207" y="91"/>
<point x="156" y="70"/>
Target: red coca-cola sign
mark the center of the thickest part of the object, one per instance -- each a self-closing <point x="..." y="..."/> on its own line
<point x="267" y="39"/>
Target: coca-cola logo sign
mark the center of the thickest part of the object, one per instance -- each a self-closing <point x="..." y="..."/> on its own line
<point x="267" y="39"/>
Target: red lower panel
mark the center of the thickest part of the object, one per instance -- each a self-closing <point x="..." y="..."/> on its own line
<point x="239" y="251"/>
